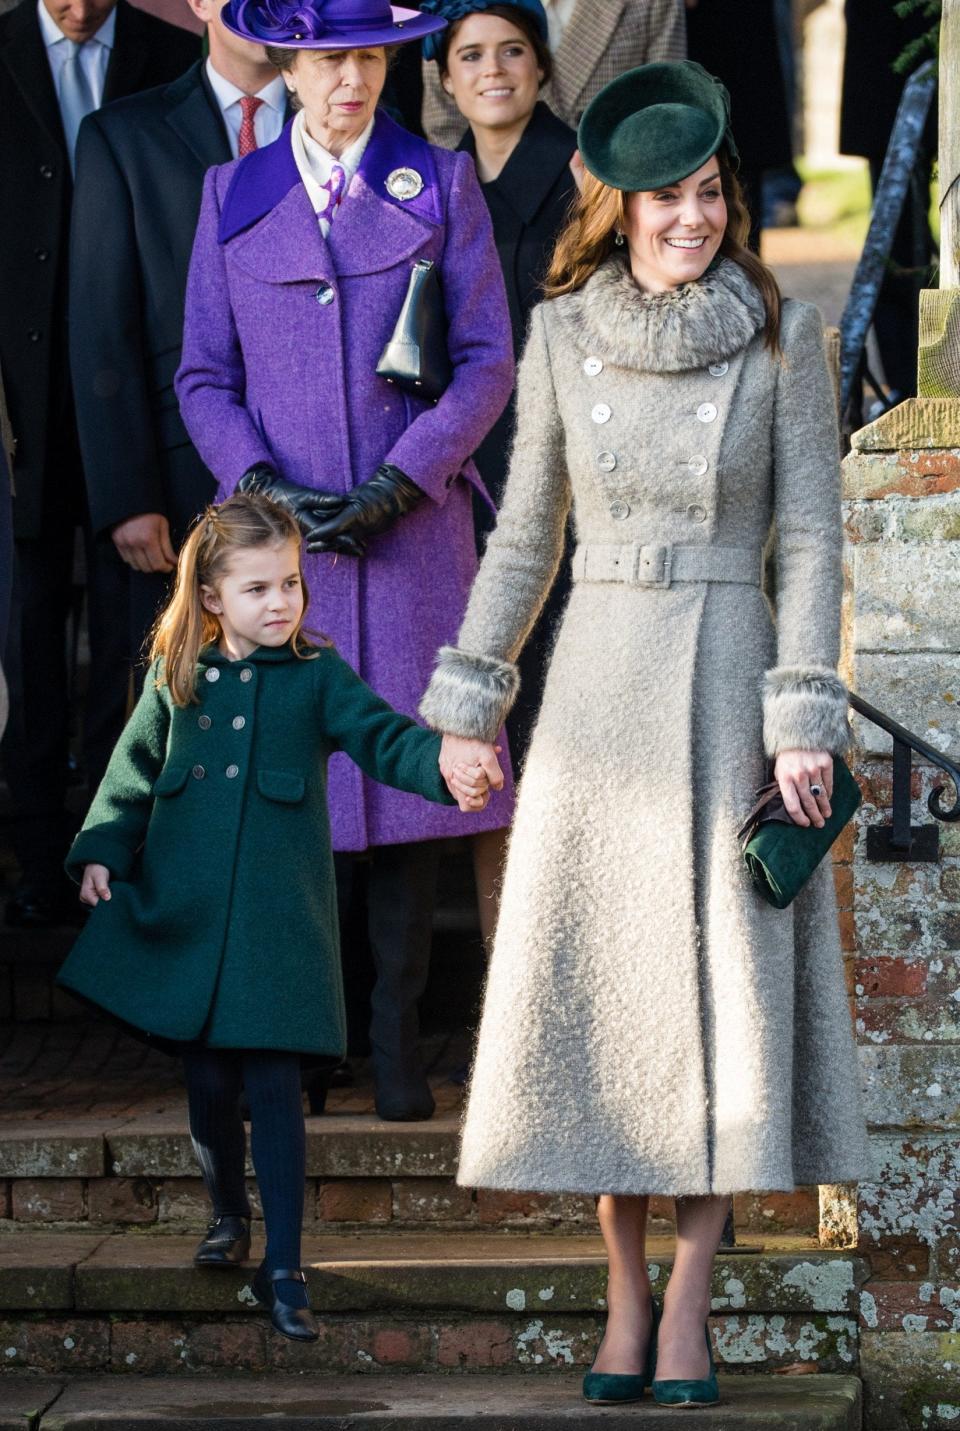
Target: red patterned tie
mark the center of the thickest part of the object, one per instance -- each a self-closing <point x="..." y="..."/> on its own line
<point x="249" y="105"/>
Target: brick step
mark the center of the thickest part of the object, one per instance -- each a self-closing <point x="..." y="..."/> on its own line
<point x="141" y="1171"/>
<point x="479" y="1302"/>
<point x="424" y="1403"/>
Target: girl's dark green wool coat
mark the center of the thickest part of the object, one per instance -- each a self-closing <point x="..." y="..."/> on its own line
<point x="212" y="820"/>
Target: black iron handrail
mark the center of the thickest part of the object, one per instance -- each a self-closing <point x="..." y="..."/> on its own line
<point x="900" y="840"/>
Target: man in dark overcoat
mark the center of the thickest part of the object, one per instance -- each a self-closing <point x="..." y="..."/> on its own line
<point x="140" y="168"/>
<point x="58" y="59"/>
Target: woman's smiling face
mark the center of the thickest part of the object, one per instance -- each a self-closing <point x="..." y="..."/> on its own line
<point x="674" y="233"/>
<point x="492" y="71"/>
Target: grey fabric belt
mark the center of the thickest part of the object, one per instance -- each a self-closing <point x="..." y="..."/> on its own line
<point x="659" y="565"/>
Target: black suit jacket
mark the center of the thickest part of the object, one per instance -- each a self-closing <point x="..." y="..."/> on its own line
<point x="140" y="169"/>
<point x="35" y="195"/>
<point x="528" y="202"/>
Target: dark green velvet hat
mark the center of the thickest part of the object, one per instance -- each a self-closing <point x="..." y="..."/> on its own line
<point x="655" y="125"/>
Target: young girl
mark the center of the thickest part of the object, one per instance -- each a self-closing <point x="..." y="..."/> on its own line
<point x="206" y="854"/>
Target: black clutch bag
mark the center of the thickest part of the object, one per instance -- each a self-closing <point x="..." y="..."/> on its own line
<point x="780" y="856"/>
<point x="416" y="357"/>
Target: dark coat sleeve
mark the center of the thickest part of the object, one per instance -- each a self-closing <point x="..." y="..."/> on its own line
<point x="386" y="745"/>
<point x="107" y="341"/>
<point x="116" y="825"/>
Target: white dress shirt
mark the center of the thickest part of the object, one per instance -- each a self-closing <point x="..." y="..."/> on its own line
<point x="267" y="121"/>
<point x="558" y="18"/>
<point x="94" y="54"/>
<point x="316" y="164"/>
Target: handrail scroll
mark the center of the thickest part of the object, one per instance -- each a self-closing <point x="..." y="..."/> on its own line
<point x="900" y="840"/>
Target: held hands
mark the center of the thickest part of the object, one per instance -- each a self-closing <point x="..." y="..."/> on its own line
<point x="310" y="506"/>
<point x="795" y="771"/>
<point x="95" y="885"/>
<point x="368" y="510"/>
<point x="471" y="771"/>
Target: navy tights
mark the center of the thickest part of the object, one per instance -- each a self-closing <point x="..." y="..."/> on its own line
<point x="215" y="1079"/>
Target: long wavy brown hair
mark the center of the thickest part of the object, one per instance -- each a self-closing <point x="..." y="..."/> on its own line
<point x="185" y="626"/>
<point x="600" y="211"/>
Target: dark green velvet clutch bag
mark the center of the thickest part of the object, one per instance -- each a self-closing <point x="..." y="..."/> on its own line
<point x="781" y="856"/>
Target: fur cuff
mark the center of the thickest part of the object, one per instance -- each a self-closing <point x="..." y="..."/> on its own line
<point x="804" y="708"/>
<point x="469" y="695"/>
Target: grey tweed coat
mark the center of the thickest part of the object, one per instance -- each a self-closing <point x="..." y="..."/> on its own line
<point x="650" y="1025"/>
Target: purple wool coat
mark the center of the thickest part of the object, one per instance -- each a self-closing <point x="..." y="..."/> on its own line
<point x="270" y="373"/>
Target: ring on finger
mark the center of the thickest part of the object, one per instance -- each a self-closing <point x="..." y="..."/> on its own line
<point x="816" y="790"/>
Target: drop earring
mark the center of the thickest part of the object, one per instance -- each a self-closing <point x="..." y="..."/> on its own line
<point x="619" y="240"/>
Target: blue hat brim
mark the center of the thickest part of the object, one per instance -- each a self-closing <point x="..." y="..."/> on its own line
<point x="655" y="125"/>
<point x="406" y="25"/>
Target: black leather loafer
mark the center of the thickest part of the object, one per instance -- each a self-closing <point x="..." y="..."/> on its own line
<point x="227" y="1242"/>
<point x="297" y="1323"/>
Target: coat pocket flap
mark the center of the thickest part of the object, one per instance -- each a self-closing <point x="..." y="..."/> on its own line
<point x="284" y="785"/>
<point x="171" y="780"/>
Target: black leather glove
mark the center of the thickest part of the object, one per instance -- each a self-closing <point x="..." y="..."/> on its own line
<point x="368" y="510"/>
<point x="307" y="504"/>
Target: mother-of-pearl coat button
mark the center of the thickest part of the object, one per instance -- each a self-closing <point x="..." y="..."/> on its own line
<point x="592" y="367"/>
<point x="706" y="412"/>
<point x="606" y="461"/>
<point x="698" y="465"/>
<point x="601" y="413"/>
<point x="718" y="370"/>
<point x="619" y="510"/>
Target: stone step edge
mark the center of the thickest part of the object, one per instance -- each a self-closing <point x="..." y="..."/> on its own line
<point x="531" y="1401"/>
<point x="522" y="1274"/>
<point x="338" y="1146"/>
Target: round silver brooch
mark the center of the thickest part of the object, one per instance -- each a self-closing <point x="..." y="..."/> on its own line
<point x="404" y="183"/>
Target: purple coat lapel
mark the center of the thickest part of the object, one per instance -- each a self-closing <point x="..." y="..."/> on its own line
<point x="372" y="231"/>
<point x="259" y="182"/>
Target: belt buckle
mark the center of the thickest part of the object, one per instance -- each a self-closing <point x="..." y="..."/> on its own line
<point x="653" y="565"/>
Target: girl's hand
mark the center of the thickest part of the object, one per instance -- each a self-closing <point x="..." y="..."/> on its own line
<point x="795" y="771"/>
<point x="95" y="884"/>
<point x="471" y="784"/>
<point x="471" y="770"/>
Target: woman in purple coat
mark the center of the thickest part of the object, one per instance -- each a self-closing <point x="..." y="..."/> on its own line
<point x="301" y="262"/>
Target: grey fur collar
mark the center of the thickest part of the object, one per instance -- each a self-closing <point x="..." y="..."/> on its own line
<point x="690" y="327"/>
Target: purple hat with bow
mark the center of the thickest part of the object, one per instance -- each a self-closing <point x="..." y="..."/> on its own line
<point x="326" y="24"/>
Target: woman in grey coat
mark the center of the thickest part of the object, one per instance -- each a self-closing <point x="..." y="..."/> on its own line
<point x="650" y="1025"/>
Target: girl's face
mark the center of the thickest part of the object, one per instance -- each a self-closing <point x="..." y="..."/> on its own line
<point x="258" y="600"/>
<point x="492" y="72"/>
<point x="339" y="90"/>
<point x="673" y="233"/>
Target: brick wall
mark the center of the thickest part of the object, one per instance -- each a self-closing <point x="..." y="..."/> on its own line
<point x="902" y="921"/>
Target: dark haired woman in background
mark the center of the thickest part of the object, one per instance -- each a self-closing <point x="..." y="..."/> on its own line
<point x="493" y="60"/>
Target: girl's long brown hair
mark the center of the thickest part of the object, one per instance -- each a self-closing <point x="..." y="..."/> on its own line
<point x="185" y="626"/>
<point x="588" y="240"/>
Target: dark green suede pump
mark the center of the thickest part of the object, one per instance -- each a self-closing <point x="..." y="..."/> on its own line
<point x="609" y="1388"/>
<point x="689" y="1393"/>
